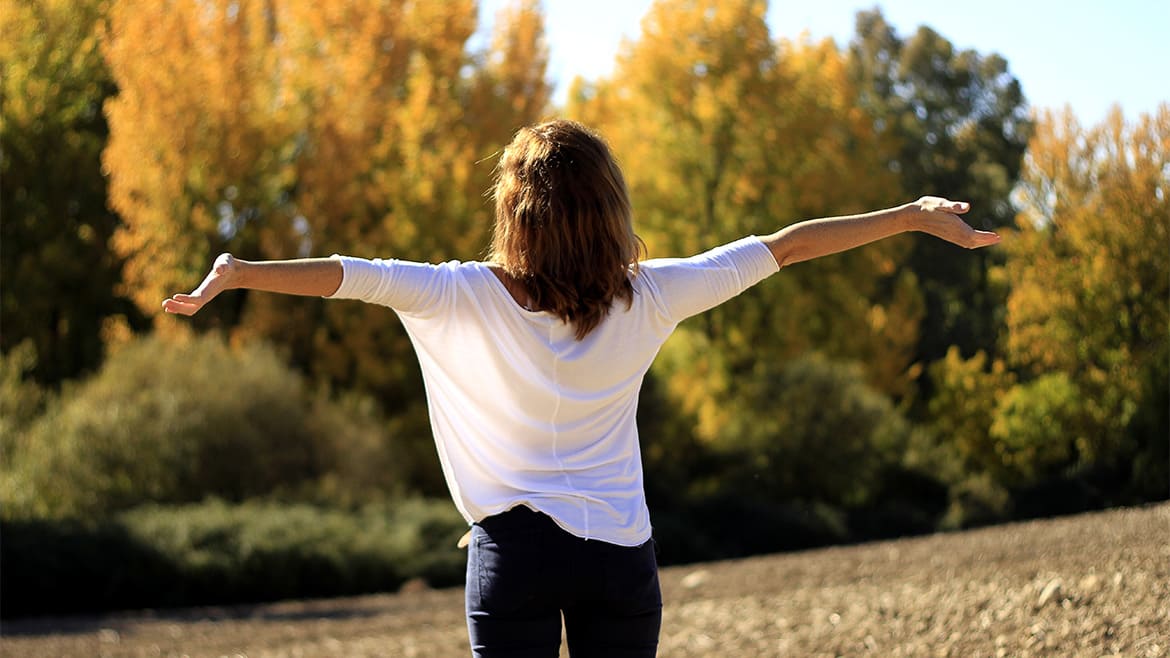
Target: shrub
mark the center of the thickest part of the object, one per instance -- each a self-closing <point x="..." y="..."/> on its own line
<point x="966" y="395"/>
<point x="813" y="430"/>
<point x="21" y="398"/>
<point x="175" y="422"/>
<point x="217" y="553"/>
<point x="728" y="526"/>
<point x="975" y="501"/>
<point x="1038" y="429"/>
<point x="806" y="454"/>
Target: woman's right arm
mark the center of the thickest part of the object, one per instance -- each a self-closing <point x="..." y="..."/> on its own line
<point x="318" y="277"/>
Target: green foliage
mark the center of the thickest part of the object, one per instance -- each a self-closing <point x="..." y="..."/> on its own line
<point x="22" y="401"/>
<point x="75" y="566"/>
<point x="802" y="454"/>
<point x="976" y="500"/>
<point x="957" y="125"/>
<point x="215" y="553"/>
<point x="21" y="398"/>
<point x="59" y="275"/>
<point x="176" y="421"/>
<point x="1150" y="477"/>
<point x="726" y="526"/>
<point x="805" y="428"/>
<point x="1039" y="428"/>
<point x="812" y="429"/>
<point x="967" y="393"/>
<point x="1091" y="282"/>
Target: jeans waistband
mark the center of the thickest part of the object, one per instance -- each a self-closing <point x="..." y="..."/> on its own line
<point x="518" y="517"/>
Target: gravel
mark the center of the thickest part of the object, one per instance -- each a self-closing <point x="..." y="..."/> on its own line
<point x="1090" y="585"/>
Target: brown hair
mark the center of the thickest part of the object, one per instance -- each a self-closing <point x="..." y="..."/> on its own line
<point x="564" y="227"/>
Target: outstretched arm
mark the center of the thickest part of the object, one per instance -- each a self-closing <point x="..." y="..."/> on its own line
<point x="318" y="277"/>
<point x="820" y="237"/>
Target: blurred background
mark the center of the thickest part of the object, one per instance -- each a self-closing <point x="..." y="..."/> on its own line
<point x="275" y="447"/>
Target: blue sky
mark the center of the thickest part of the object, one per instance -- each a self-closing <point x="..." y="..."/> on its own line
<point x="1088" y="54"/>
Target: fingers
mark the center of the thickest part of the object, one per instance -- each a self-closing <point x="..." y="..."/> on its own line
<point x="939" y="204"/>
<point x="969" y="238"/>
<point x="214" y="283"/>
<point x="181" y="305"/>
<point x="984" y="239"/>
<point x="943" y="214"/>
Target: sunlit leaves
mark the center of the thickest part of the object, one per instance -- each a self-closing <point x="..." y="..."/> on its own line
<point x="294" y="128"/>
<point x="953" y="123"/>
<point x="1089" y="265"/>
<point x="723" y="131"/>
<point x="58" y="273"/>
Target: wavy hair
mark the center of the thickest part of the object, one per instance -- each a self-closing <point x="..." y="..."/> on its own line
<point x="564" y="227"/>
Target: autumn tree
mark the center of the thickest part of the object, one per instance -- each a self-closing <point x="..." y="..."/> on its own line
<point x="1088" y="318"/>
<point x="723" y="132"/>
<point x="57" y="271"/>
<point x="194" y="155"/>
<point x="958" y="126"/>
<point x="510" y="86"/>
<point x="284" y="129"/>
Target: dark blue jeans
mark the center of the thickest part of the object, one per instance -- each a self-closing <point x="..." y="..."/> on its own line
<point x="524" y="572"/>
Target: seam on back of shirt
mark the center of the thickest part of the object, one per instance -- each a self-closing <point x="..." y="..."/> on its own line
<point x="556" y="384"/>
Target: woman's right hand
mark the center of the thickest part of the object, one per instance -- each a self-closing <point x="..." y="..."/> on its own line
<point x="224" y="275"/>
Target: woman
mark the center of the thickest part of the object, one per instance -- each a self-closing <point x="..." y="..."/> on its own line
<point x="533" y="361"/>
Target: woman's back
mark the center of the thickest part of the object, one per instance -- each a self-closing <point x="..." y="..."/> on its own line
<point x="524" y="411"/>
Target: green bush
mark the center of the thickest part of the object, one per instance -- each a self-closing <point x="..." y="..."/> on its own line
<point x="813" y="430"/>
<point x="216" y="553"/>
<point x="1038" y="429"/>
<point x="21" y="398"/>
<point x="976" y="500"/>
<point x="809" y="455"/>
<point x="963" y="403"/>
<point x="175" y="422"/>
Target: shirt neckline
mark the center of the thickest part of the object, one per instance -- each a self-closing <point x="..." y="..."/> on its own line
<point x="503" y="289"/>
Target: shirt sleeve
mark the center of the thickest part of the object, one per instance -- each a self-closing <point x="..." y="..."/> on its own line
<point x="418" y="289"/>
<point x="689" y="286"/>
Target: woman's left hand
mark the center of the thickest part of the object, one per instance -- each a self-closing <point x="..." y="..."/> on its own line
<point x="940" y="218"/>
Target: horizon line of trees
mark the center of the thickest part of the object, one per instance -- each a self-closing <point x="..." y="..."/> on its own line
<point x="902" y="387"/>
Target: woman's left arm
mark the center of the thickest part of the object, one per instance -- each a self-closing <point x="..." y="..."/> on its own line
<point x="819" y="237"/>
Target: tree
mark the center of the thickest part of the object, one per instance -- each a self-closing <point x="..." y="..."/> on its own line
<point x="194" y="155"/>
<point x="1090" y="283"/>
<point x="58" y="273"/>
<point x="282" y="129"/>
<point x="722" y="132"/>
<point x="957" y="124"/>
<point x="967" y="393"/>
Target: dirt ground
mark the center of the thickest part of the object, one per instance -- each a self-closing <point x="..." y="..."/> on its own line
<point x="1090" y="585"/>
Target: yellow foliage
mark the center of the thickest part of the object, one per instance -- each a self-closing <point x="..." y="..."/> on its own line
<point x="1088" y="265"/>
<point x="967" y="394"/>
<point x="295" y="128"/>
<point x="723" y="132"/>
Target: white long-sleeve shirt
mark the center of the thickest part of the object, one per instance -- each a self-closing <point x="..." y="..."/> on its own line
<point x="525" y="414"/>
